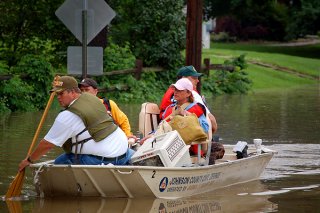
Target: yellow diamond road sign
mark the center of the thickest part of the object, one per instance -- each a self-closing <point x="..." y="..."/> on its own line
<point x="99" y="14"/>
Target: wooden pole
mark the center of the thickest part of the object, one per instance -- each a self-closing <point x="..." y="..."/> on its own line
<point x="207" y="66"/>
<point x="16" y="185"/>
<point x="138" y="69"/>
<point x="194" y="35"/>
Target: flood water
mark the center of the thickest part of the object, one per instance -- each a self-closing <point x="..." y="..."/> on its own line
<point x="287" y="121"/>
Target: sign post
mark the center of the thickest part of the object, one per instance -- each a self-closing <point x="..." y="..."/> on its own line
<point x="84" y="40"/>
<point x="85" y="19"/>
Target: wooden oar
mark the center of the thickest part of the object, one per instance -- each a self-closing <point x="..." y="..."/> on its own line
<point x="16" y="185"/>
<point x="14" y="206"/>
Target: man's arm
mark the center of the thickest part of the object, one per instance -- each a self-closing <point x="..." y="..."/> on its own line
<point x="43" y="147"/>
<point x="214" y="125"/>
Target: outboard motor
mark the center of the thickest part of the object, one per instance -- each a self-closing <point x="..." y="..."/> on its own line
<point x="241" y="149"/>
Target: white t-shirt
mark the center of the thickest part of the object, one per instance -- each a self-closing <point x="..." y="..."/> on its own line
<point x="68" y="125"/>
<point x="198" y="99"/>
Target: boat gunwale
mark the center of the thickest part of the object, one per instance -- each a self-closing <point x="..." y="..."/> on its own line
<point x="49" y="164"/>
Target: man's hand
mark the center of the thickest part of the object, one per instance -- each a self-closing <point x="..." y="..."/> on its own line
<point x="132" y="139"/>
<point x="145" y="138"/>
<point x="23" y="164"/>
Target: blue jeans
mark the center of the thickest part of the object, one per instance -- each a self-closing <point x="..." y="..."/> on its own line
<point x="85" y="159"/>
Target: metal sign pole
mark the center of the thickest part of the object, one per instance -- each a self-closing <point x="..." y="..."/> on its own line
<point x="85" y="19"/>
<point x="84" y="39"/>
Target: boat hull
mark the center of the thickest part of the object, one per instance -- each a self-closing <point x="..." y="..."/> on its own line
<point x="144" y="181"/>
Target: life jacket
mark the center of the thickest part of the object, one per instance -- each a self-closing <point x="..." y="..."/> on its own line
<point x="167" y="100"/>
<point x="93" y="114"/>
<point x="106" y="103"/>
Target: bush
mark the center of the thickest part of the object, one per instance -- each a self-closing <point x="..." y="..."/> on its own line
<point x="16" y="95"/>
<point x="4" y="68"/>
<point x="255" y="32"/>
<point x="148" y="88"/>
<point x="31" y="93"/>
<point x="223" y="37"/>
<point x="117" y="58"/>
<point x="229" y="82"/>
<point x="228" y="25"/>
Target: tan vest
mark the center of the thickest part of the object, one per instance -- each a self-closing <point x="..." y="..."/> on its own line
<point x="94" y="116"/>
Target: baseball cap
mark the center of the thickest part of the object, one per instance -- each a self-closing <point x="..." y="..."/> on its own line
<point x="88" y="82"/>
<point x="188" y="71"/>
<point x="64" y="82"/>
<point x="183" y="84"/>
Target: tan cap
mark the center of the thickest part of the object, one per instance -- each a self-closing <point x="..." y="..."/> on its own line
<point x="62" y="83"/>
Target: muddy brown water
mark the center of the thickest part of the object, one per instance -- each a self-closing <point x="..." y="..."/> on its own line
<point x="287" y="121"/>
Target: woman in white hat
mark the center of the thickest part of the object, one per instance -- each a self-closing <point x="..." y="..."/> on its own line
<point x="185" y="105"/>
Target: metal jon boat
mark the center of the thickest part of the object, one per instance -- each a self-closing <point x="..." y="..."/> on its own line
<point x="178" y="176"/>
<point x="146" y="181"/>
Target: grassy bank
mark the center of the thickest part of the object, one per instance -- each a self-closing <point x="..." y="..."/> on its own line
<point x="272" y="67"/>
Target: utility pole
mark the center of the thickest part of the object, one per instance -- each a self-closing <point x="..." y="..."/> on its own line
<point x="194" y="35"/>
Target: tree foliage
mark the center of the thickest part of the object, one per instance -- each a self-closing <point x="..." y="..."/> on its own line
<point x="32" y="39"/>
<point x="154" y="28"/>
<point x="304" y="19"/>
<point x="223" y="81"/>
<point x="30" y="91"/>
<point x="30" y="26"/>
<point x="265" y="19"/>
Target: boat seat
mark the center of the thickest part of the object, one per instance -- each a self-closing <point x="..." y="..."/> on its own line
<point x="148" y="118"/>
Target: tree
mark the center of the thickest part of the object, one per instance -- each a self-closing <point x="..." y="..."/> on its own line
<point x="154" y="28"/>
<point x="28" y="24"/>
<point x="267" y="19"/>
<point x="304" y="19"/>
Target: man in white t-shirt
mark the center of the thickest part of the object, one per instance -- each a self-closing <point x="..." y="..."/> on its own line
<point x="84" y="127"/>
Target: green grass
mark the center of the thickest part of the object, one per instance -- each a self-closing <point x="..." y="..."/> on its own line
<point x="293" y="58"/>
<point x="307" y="51"/>
<point x="266" y="78"/>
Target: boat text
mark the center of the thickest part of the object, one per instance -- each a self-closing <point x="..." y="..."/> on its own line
<point x="179" y="184"/>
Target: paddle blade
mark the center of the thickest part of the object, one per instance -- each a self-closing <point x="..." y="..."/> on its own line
<point x="16" y="185"/>
<point x="14" y="206"/>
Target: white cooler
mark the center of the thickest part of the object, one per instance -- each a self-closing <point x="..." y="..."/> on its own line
<point x="168" y="150"/>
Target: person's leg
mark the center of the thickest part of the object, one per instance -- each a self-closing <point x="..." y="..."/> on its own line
<point x="81" y="159"/>
<point x="89" y="160"/>
<point x="64" y="159"/>
<point x="126" y="160"/>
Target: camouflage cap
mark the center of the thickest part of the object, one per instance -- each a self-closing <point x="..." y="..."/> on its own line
<point x="62" y="83"/>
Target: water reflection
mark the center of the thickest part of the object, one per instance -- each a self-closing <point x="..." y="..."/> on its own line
<point x="240" y="198"/>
